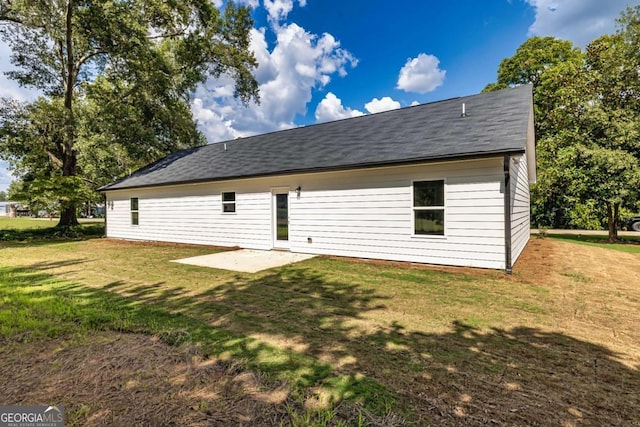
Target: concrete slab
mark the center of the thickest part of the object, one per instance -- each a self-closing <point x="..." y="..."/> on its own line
<point x="245" y="260"/>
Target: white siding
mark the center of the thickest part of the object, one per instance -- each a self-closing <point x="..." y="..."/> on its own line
<point x="364" y="213"/>
<point x="520" y="209"/>
<point x="193" y="214"/>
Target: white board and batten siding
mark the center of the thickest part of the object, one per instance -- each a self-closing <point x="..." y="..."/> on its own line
<point x="364" y="213"/>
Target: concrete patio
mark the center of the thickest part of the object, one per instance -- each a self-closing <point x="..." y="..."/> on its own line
<point x="245" y="260"/>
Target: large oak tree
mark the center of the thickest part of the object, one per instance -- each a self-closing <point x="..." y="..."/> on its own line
<point x="116" y="78"/>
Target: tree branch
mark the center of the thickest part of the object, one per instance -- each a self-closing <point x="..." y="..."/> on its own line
<point x="10" y="19"/>
<point x="56" y="161"/>
<point x="68" y="99"/>
<point x="5" y="10"/>
<point x="88" y="56"/>
<point x="178" y="33"/>
<point x="89" y="181"/>
<point x="63" y="70"/>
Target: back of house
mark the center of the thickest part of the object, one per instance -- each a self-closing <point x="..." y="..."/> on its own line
<point x="439" y="183"/>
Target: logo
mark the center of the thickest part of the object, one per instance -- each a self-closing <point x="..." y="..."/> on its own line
<point x="31" y="416"/>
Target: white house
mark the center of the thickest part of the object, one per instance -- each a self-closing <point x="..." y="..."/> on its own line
<point x="440" y="183"/>
<point x="5" y="208"/>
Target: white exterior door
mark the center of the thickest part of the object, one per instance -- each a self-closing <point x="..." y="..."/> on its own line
<point x="280" y="219"/>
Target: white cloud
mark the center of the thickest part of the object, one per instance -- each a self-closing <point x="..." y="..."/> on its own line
<point x="298" y="63"/>
<point x="278" y="10"/>
<point x="251" y="3"/>
<point x="5" y="176"/>
<point x="579" y="21"/>
<point x="383" y="104"/>
<point x="414" y="103"/>
<point x="421" y="74"/>
<point x="331" y="108"/>
<point x="214" y="122"/>
<point x="10" y="88"/>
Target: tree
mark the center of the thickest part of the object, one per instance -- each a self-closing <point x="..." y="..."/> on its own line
<point x="535" y="58"/>
<point x="527" y="66"/>
<point x="113" y="57"/>
<point x="30" y="132"/>
<point x="532" y="58"/>
<point x="610" y="122"/>
<point x="587" y="109"/>
<point x="3" y="196"/>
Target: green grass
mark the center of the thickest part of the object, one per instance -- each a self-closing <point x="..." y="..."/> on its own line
<point x="419" y="342"/>
<point x="22" y="223"/>
<point x="629" y="244"/>
<point x="34" y="306"/>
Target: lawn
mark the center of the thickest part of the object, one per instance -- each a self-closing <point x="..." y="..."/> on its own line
<point x="323" y="342"/>
<point x="30" y="229"/>
<point x="23" y="223"/>
<point x="626" y="243"/>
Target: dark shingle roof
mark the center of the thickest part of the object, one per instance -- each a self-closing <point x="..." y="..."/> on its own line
<point x="496" y="123"/>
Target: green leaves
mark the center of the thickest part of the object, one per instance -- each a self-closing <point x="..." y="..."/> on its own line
<point x="587" y="111"/>
<point x="609" y="175"/>
<point x="533" y="58"/>
<point x="118" y="77"/>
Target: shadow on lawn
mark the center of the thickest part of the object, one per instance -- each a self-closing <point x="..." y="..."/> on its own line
<point x="43" y="236"/>
<point x="521" y="376"/>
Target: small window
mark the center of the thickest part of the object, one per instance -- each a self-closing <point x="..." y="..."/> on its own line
<point x="428" y="208"/>
<point x="134" y="211"/>
<point x="229" y="202"/>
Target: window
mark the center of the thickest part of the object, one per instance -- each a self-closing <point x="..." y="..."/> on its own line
<point x="229" y="202"/>
<point x="428" y="208"/>
<point x="134" y="211"/>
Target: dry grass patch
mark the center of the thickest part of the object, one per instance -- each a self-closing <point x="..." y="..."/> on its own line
<point x="130" y="379"/>
<point x="595" y="293"/>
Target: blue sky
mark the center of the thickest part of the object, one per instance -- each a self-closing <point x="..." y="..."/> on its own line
<point x="322" y="60"/>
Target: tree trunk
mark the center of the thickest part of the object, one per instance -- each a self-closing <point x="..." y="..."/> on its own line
<point x="613" y="212"/>
<point x="68" y="216"/>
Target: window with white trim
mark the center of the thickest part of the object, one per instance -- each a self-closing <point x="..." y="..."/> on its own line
<point x="134" y="211"/>
<point x="428" y="208"/>
<point x="229" y="202"/>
